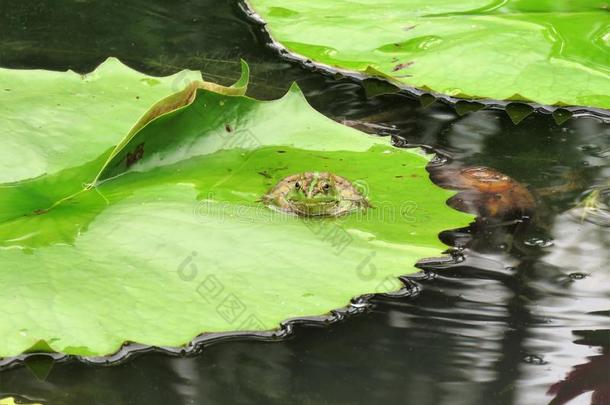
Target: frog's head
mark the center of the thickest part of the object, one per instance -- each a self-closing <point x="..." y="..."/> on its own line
<point x="314" y="186"/>
<point x="314" y="193"/>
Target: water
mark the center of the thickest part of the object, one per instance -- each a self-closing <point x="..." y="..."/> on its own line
<point x="502" y="326"/>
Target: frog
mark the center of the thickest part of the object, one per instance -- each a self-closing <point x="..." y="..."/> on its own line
<point x="315" y="194"/>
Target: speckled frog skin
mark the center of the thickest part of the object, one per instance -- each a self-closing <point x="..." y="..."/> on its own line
<point x="315" y="194"/>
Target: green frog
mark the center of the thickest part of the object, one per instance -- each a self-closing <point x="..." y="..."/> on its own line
<point x="315" y="194"/>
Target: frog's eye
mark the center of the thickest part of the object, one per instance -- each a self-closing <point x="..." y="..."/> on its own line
<point x="326" y="187"/>
<point x="297" y="185"/>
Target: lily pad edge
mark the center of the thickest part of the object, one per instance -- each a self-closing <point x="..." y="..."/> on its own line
<point x="285" y="330"/>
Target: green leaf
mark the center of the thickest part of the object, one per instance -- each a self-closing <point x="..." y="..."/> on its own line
<point x="11" y="401"/>
<point x="171" y="240"/>
<point x="549" y="52"/>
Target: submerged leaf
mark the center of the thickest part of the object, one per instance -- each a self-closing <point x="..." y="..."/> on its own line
<point x="486" y="192"/>
<point x="171" y="240"/>
<point x="427" y="100"/>
<point x="518" y="112"/>
<point x="561" y="115"/>
<point x="40" y="365"/>
<point x="465" y="107"/>
<point x="376" y="87"/>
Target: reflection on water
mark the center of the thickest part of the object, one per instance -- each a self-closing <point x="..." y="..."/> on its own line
<point x="499" y="327"/>
<point x="591" y="376"/>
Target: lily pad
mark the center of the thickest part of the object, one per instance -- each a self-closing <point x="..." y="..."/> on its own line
<point x="11" y="401"/>
<point x="548" y="52"/>
<point x="164" y="237"/>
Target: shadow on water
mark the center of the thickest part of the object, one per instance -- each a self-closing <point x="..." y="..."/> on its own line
<point x="498" y="327"/>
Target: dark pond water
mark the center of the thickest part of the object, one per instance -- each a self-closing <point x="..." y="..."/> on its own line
<point x="528" y="303"/>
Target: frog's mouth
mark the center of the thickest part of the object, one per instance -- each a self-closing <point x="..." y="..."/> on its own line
<point x="314" y="207"/>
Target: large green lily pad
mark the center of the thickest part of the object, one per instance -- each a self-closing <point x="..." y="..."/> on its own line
<point x="158" y="236"/>
<point x="549" y="52"/>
